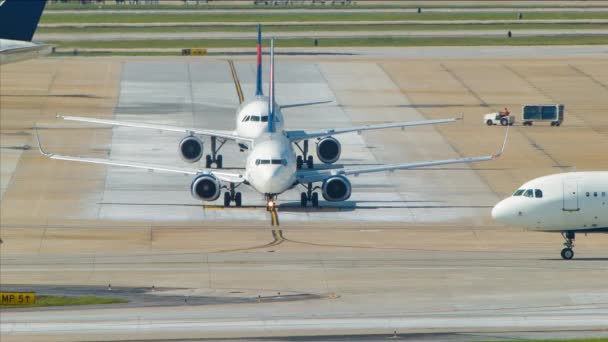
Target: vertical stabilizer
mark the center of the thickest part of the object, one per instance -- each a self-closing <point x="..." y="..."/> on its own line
<point x="19" y="18"/>
<point x="271" y="104"/>
<point x="258" y="83"/>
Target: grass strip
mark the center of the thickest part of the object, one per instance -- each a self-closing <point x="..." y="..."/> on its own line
<point x="338" y="42"/>
<point x="423" y="5"/>
<point x="304" y="17"/>
<point x="68" y="301"/>
<point x="314" y="28"/>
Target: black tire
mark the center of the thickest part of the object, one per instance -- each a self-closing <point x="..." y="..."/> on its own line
<point x="299" y="162"/>
<point x="557" y="124"/>
<point x="226" y="199"/>
<point x="504" y="122"/>
<point x="489" y="123"/>
<point x="310" y="162"/>
<point x="238" y="199"/>
<point x="219" y="161"/>
<point x="510" y="123"/>
<point x="303" y="200"/>
<point x="567" y="253"/>
<point x="315" y="200"/>
<point x="208" y="162"/>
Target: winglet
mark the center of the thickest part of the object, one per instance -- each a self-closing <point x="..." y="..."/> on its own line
<point x="504" y="143"/>
<point x="44" y="153"/>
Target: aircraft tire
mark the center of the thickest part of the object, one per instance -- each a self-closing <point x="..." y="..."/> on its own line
<point x="238" y="199"/>
<point x="220" y="161"/>
<point x="299" y="162"/>
<point x="567" y="253"/>
<point x="315" y="200"/>
<point x="489" y="123"/>
<point x="226" y="199"/>
<point x="303" y="200"/>
<point x="208" y="162"/>
<point x="310" y="163"/>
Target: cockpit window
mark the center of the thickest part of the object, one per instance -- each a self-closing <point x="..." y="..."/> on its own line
<point x="245" y="119"/>
<point x="255" y="118"/>
<point x="529" y="193"/>
<point x="538" y="193"/>
<point x="519" y="192"/>
<point x="265" y="118"/>
<point x="271" y="162"/>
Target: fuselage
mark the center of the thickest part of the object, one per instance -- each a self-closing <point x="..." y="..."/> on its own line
<point x="576" y="201"/>
<point x="271" y="165"/>
<point x="252" y="118"/>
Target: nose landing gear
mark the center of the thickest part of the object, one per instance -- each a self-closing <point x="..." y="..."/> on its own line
<point x="568" y="252"/>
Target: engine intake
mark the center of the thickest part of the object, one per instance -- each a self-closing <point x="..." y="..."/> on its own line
<point x="191" y="149"/>
<point x="336" y="189"/>
<point x="328" y="150"/>
<point x="205" y="188"/>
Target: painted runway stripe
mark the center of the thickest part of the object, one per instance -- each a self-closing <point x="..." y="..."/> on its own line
<point x="237" y="83"/>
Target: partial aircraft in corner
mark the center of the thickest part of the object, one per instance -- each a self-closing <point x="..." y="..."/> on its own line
<point x="567" y="203"/>
<point x="252" y="122"/>
<point x="18" y="22"/>
<point x="272" y="166"/>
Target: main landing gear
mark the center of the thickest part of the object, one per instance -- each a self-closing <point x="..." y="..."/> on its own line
<point x="215" y="158"/>
<point x="567" y="252"/>
<point x="304" y="158"/>
<point x="309" y="196"/>
<point x="233" y="196"/>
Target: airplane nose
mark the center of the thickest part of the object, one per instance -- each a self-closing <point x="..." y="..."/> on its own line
<point x="498" y="212"/>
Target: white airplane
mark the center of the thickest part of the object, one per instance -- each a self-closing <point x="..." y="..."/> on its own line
<point x="252" y="122"/>
<point x="567" y="203"/>
<point x="271" y="167"/>
<point x="19" y="19"/>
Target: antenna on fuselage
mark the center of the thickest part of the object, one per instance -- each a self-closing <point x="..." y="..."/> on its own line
<point x="258" y="84"/>
<point x="271" y="104"/>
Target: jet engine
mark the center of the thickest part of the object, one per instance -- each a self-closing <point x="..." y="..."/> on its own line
<point x="328" y="150"/>
<point x="336" y="189"/>
<point x="205" y="187"/>
<point x="191" y="149"/>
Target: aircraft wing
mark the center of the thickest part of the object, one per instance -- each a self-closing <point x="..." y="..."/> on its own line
<point x="305" y="176"/>
<point x="224" y="176"/>
<point x="304" y="135"/>
<point x="230" y="135"/>
<point x="304" y="104"/>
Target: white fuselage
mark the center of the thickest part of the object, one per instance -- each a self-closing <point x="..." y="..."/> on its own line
<point x="252" y="118"/>
<point x="271" y="165"/>
<point x="562" y="202"/>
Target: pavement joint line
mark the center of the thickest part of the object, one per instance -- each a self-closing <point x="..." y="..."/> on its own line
<point x="598" y="82"/>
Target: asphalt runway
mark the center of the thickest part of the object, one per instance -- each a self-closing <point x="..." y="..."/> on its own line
<point x="435" y="264"/>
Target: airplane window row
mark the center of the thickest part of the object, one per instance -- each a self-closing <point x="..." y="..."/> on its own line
<point x="256" y="118"/>
<point x="271" y="162"/>
<point x="595" y="194"/>
<point x="532" y="193"/>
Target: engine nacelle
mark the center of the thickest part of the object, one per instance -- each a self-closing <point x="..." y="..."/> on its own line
<point x="191" y="149"/>
<point x="328" y="150"/>
<point x="336" y="189"/>
<point x="205" y="187"/>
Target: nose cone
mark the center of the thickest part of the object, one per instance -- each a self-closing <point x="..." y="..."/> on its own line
<point x="271" y="180"/>
<point x="505" y="211"/>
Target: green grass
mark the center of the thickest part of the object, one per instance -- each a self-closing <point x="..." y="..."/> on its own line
<point x="49" y="18"/>
<point x="336" y="42"/>
<point x="569" y="340"/>
<point x="68" y="301"/>
<point x="110" y="6"/>
<point x="314" y="28"/>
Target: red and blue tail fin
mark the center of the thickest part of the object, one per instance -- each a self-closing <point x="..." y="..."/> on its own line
<point x="19" y="18"/>
<point x="271" y="104"/>
<point x="258" y="84"/>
